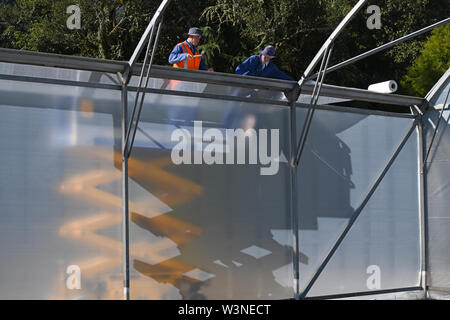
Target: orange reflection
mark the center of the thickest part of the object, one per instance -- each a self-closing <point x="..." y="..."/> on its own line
<point x="87" y="229"/>
<point x="168" y="271"/>
<point x="87" y="108"/>
<point x="164" y="225"/>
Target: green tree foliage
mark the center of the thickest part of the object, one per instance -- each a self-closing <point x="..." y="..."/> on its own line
<point x="432" y="63"/>
<point x="298" y="28"/>
<point x="106" y="27"/>
<point x="235" y="29"/>
<point x="110" y="29"/>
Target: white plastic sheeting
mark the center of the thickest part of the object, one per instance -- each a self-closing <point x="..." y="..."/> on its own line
<point x="197" y="231"/>
<point x="344" y="156"/>
<point x="438" y="189"/>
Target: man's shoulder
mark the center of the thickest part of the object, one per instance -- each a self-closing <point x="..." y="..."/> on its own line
<point x="180" y="43"/>
<point x="254" y="58"/>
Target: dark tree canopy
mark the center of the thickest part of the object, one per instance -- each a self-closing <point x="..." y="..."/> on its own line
<point x="111" y="29"/>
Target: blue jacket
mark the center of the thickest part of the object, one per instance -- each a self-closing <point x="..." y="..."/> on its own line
<point x="177" y="55"/>
<point x="253" y="67"/>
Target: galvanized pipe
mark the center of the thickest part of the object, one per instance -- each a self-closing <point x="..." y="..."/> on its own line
<point x="139" y="87"/>
<point x="140" y="46"/>
<point x="331" y="38"/>
<point x="384" y="46"/>
<point x="146" y="84"/>
<point x="125" y="207"/>
<point x="423" y="213"/>
<point x="436" y="129"/>
<point x="294" y="200"/>
<point x="311" y="109"/>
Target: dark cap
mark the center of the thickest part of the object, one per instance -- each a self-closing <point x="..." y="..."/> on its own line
<point x="194" y="31"/>
<point x="268" y="51"/>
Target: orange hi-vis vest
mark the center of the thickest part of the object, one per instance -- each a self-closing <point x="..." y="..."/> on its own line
<point x="191" y="64"/>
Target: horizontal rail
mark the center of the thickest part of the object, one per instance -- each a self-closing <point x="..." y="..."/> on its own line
<point x="84" y="84"/>
<point x="162" y="72"/>
<point x="364" y="95"/>
<point x="366" y="293"/>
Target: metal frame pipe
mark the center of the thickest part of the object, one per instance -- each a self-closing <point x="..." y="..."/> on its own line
<point x="436" y="129"/>
<point x="353" y="110"/>
<point x="438" y="85"/>
<point x="202" y="95"/>
<point x="138" y="88"/>
<point x="61" y="82"/>
<point x="331" y="38"/>
<point x="142" y="41"/>
<point x="423" y="216"/>
<point x="312" y="105"/>
<point x="162" y="72"/>
<point x="279" y="103"/>
<point x="146" y="84"/>
<point x="365" y="293"/>
<point x="384" y="47"/>
<point x="125" y="205"/>
<point x="293" y="200"/>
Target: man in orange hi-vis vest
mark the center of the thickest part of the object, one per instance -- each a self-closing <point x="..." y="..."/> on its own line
<point x="186" y="51"/>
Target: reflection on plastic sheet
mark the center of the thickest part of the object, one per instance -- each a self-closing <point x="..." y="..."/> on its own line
<point x="197" y="232"/>
<point x="87" y="231"/>
<point x="64" y="176"/>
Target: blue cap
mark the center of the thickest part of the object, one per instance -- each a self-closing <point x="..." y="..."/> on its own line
<point x="268" y="51"/>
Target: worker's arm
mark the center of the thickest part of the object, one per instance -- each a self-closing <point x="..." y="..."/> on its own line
<point x="177" y="55"/>
<point x="276" y="73"/>
<point x="248" y="66"/>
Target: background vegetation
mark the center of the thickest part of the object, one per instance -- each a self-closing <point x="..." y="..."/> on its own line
<point x="111" y="29"/>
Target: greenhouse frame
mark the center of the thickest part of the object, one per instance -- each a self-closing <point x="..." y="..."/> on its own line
<point x="93" y="205"/>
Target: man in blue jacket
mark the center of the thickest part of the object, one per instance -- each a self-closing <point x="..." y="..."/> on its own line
<point x="260" y="66"/>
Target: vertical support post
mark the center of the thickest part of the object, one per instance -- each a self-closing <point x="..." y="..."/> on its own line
<point x="125" y="212"/>
<point x="293" y="198"/>
<point x="293" y="142"/>
<point x="423" y="213"/>
<point x="292" y="96"/>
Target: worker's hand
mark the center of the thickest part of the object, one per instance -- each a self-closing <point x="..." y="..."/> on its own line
<point x="189" y="56"/>
<point x="210" y="69"/>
